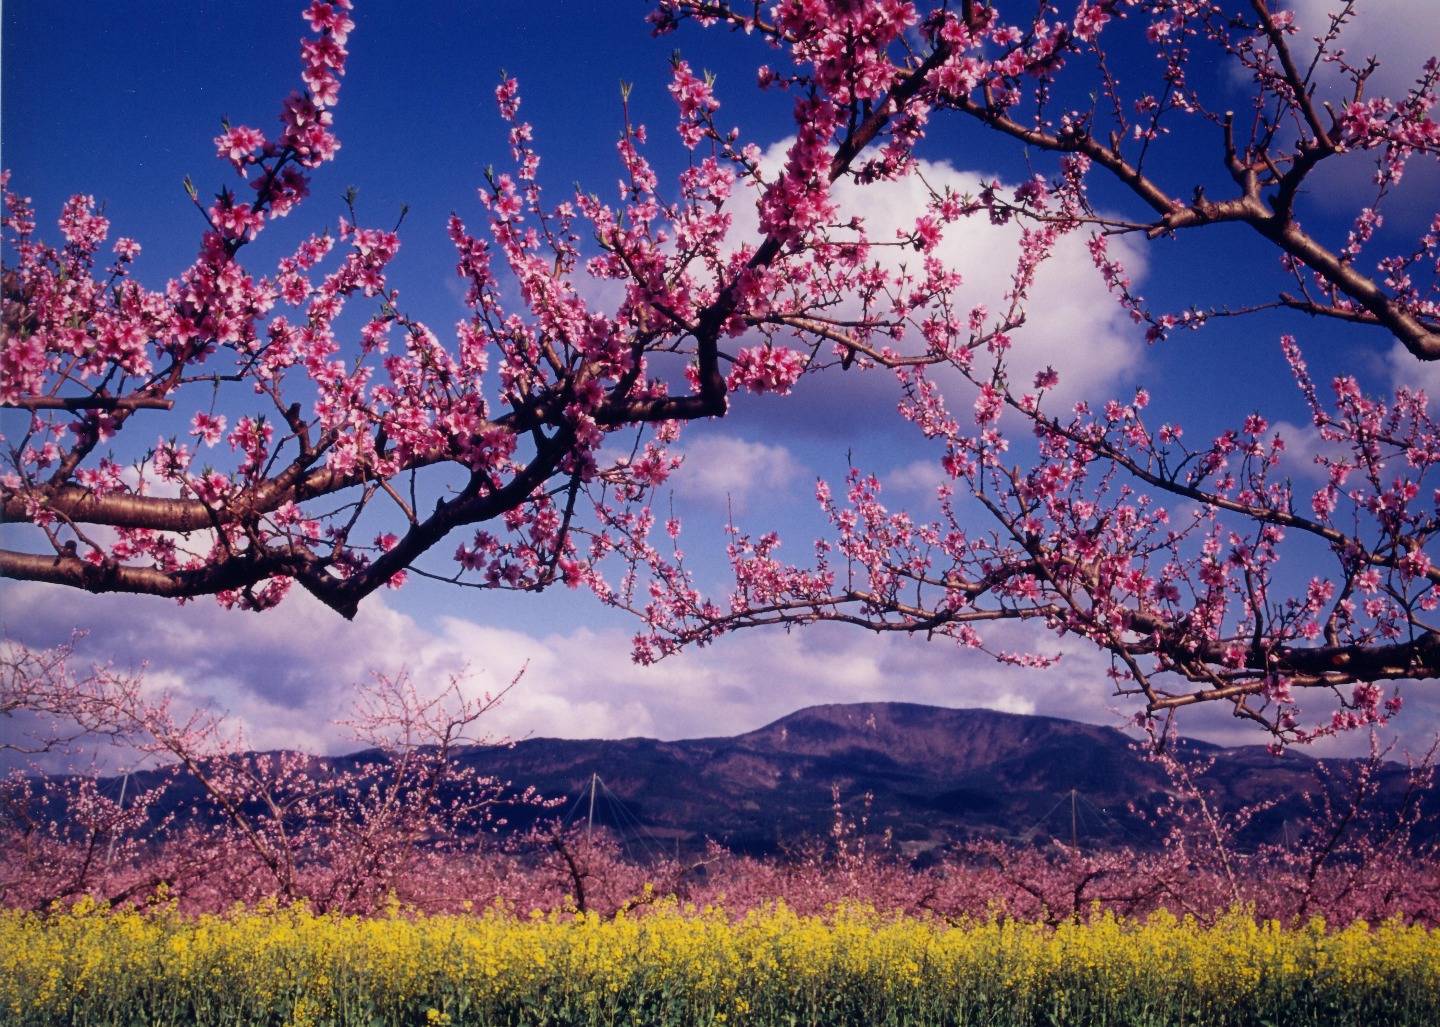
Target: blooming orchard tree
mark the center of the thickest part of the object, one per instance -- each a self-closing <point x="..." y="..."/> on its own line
<point x="1162" y="552"/>
<point x="218" y="823"/>
<point x="538" y="436"/>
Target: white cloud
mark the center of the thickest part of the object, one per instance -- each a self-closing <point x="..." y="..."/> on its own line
<point x="728" y="472"/>
<point x="1400" y="33"/>
<point x="1406" y="370"/>
<point x="287" y="675"/>
<point x="1302" y="445"/>
<point x="918" y="477"/>
<point x="1072" y="322"/>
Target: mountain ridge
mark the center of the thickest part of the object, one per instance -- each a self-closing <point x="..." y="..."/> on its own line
<point x="929" y="776"/>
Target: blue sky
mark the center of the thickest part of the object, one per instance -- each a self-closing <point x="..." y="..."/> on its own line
<point x="122" y="101"/>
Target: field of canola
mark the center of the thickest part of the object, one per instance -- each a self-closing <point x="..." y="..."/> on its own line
<point x="676" y="966"/>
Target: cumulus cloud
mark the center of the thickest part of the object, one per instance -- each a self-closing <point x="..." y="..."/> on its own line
<point x="1072" y="322"/>
<point x="1414" y="374"/>
<point x="728" y="473"/>
<point x="918" y="478"/>
<point x="1303" y="445"/>
<point x="288" y="675"/>
<point x="746" y="680"/>
<point x="285" y="675"/>
<point x="1401" y="33"/>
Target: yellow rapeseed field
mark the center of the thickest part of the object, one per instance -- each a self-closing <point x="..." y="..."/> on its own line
<point x="682" y="966"/>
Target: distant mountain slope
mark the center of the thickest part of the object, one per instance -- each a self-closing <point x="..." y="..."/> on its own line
<point x="933" y="775"/>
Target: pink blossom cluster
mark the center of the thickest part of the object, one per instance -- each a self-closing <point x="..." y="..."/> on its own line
<point x="550" y="416"/>
<point x="342" y="834"/>
<point x="764" y="369"/>
<point x="1164" y="553"/>
<point x="696" y="101"/>
<point x="408" y="820"/>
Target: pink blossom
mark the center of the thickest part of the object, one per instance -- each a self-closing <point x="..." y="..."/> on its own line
<point x="1090" y="18"/>
<point x="209" y="427"/>
<point x="695" y="100"/>
<point x="238" y="144"/>
<point x="764" y="369"/>
<point x="988" y="404"/>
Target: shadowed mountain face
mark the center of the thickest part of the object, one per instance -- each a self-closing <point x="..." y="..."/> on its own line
<point x="928" y="776"/>
<point x="932" y="776"/>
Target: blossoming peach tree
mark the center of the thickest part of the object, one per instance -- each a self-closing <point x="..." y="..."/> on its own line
<point x="213" y="822"/>
<point x="538" y="434"/>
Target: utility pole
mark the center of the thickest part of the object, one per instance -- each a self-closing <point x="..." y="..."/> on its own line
<point x="110" y="852"/>
<point x="590" y="820"/>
